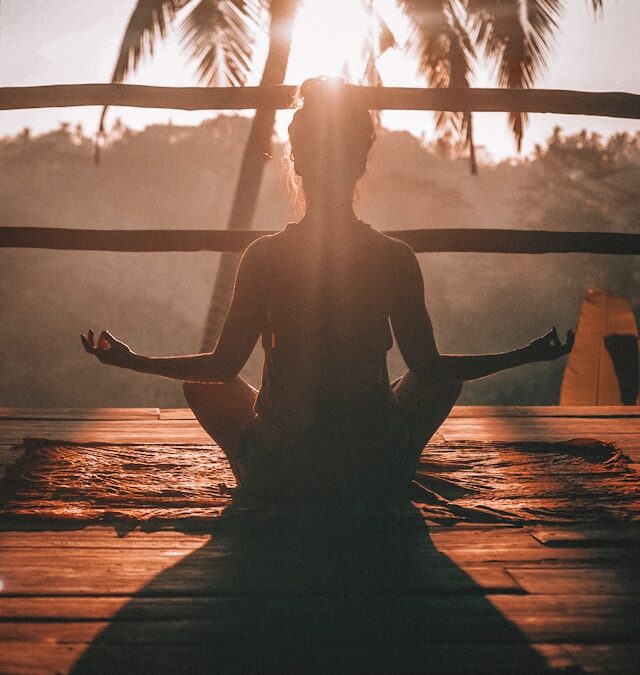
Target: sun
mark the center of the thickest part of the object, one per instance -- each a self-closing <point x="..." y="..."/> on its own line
<point x="328" y="40"/>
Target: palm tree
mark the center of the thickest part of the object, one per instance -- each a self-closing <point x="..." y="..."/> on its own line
<point x="446" y="37"/>
<point x="220" y="35"/>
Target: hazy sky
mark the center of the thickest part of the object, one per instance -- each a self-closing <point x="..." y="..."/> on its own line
<point x="74" y="41"/>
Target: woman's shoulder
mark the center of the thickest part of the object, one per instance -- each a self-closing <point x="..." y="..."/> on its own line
<point x="388" y="244"/>
<point x="263" y="244"/>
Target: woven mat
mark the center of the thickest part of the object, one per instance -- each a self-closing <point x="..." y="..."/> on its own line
<point x="517" y="483"/>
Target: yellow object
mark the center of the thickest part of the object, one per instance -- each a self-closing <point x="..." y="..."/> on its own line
<point x="589" y="376"/>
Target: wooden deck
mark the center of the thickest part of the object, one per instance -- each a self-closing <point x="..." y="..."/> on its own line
<point x="467" y="598"/>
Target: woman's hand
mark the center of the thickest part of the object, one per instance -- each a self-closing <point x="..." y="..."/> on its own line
<point x="107" y="349"/>
<point x="549" y="347"/>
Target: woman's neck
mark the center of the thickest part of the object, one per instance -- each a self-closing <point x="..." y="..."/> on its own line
<point x="326" y="211"/>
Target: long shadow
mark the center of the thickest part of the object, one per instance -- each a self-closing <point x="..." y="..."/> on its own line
<point x="327" y="594"/>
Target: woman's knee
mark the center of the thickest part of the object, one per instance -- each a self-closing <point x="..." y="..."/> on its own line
<point x="191" y="389"/>
<point x="444" y="387"/>
<point x="413" y="395"/>
<point x="195" y="392"/>
<point x="235" y="395"/>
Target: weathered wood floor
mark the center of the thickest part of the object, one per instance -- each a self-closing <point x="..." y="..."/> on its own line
<point x="458" y="599"/>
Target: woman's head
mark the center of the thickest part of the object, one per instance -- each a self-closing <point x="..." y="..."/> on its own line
<point x="330" y="134"/>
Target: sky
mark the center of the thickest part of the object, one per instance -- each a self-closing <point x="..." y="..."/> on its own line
<point x="76" y="41"/>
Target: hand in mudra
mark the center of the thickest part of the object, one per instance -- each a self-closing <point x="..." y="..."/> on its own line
<point x="107" y="349"/>
<point x="549" y="346"/>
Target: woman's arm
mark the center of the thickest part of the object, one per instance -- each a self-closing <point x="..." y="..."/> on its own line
<point x="206" y="367"/>
<point x="413" y="330"/>
<point x="462" y="367"/>
<point x="238" y="337"/>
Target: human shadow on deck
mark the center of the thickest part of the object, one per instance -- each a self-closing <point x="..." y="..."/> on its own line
<point x="332" y="595"/>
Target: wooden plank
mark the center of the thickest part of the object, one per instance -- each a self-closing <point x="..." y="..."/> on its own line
<point x="544" y="411"/>
<point x="45" y="659"/>
<point x="107" y="431"/>
<point x="588" y="536"/>
<point x="176" y="427"/>
<point x="605" y="658"/>
<point x="331" y="622"/>
<point x="582" y="425"/>
<point x="99" y="537"/>
<point x="625" y="430"/>
<point x="571" y="605"/>
<point x="16" y="413"/>
<point x="481" y="411"/>
<point x="176" y="414"/>
<point x="458" y="411"/>
<point x="561" y="558"/>
<point x="513" y="607"/>
<point x="212" y="572"/>
<point x="480" y="556"/>
<point x="566" y="102"/>
<point x="445" y="538"/>
<point x="460" y="240"/>
<point x="419" y="627"/>
<point x="483" y="555"/>
<point x="588" y="580"/>
<point x="22" y="658"/>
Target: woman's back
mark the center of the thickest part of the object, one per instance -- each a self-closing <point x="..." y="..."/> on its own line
<point x="326" y="332"/>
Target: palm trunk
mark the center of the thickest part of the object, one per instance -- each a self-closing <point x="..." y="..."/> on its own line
<point x="256" y="154"/>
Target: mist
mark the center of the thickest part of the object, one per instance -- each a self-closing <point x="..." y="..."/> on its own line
<point x="170" y="177"/>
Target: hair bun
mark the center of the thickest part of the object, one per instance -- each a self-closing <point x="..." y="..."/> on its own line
<point x="333" y="125"/>
<point x="316" y="88"/>
<point x="327" y="91"/>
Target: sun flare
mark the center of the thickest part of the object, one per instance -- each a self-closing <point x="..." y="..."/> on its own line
<point x="329" y="37"/>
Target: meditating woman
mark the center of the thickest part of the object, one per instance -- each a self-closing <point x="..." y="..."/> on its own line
<point x="324" y="295"/>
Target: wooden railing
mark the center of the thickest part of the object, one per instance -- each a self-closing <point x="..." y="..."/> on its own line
<point x="611" y="104"/>
<point x="422" y="241"/>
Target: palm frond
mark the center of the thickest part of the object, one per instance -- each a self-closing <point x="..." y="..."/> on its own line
<point x="386" y="39"/>
<point x="442" y="47"/>
<point x="517" y="34"/>
<point x="148" y="22"/>
<point x="428" y="38"/>
<point x="220" y="35"/>
<point x="378" y="39"/>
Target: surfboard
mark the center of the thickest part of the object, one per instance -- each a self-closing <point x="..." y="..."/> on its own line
<point x="603" y="367"/>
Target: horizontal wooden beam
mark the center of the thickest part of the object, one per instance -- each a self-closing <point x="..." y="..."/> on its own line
<point x="422" y="241"/>
<point x="610" y="104"/>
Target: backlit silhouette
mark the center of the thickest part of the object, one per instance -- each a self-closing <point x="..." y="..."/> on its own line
<point x="325" y="296"/>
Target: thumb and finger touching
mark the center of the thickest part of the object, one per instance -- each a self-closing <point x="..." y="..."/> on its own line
<point x="104" y="342"/>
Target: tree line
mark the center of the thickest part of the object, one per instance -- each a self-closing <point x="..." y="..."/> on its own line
<point x="170" y="176"/>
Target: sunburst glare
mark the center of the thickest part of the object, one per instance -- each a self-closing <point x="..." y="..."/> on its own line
<point x="328" y="40"/>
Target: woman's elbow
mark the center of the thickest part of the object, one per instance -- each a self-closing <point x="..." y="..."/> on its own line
<point x="221" y="371"/>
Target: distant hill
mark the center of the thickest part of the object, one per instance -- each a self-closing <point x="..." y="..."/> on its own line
<point x="184" y="177"/>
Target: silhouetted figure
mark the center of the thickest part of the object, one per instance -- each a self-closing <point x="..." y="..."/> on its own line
<point x="324" y="296"/>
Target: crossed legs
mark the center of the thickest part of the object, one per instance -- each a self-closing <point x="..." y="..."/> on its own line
<point x="224" y="408"/>
<point x="426" y="406"/>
